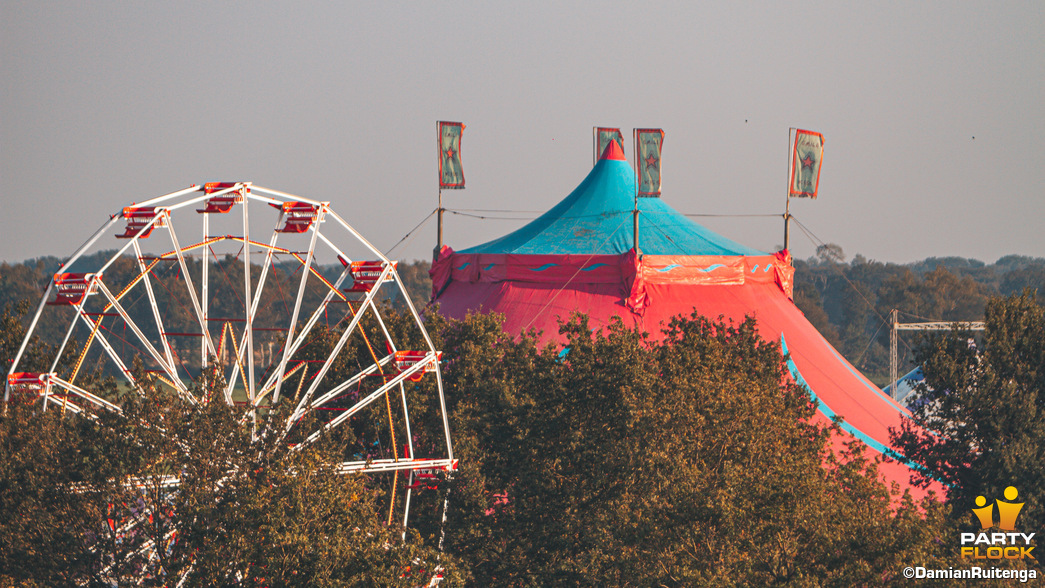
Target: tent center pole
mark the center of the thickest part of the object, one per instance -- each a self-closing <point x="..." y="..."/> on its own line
<point x="635" y="228"/>
<point x="439" y="226"/>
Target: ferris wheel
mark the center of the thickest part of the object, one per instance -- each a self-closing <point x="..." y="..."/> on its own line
<point x="240" y="280"/>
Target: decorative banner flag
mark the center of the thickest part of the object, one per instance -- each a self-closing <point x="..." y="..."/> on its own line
<point x="603" y="136"/>
<point x="451" y="175"/>
<point x="647" y="153"/>
<point x="805" y="164"/>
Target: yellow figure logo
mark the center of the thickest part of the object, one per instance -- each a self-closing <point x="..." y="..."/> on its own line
<point x="1007" y="511"/>
<point x="984" y="513"/>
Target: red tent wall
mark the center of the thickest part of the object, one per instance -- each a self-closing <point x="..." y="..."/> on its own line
<point x="536" y="291"/>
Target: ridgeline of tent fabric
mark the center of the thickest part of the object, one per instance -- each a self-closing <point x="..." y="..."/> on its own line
<point x="579" y="256"/>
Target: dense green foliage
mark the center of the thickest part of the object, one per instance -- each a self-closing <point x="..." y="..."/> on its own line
<point x="687" y="462"/>
<point x="248" y="512"/>
<point x="987" y="403"/>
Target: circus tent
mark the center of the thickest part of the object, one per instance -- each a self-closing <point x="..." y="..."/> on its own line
<point x="581" y="256"/>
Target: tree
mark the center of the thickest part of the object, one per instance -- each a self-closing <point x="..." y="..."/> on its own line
<point x="687" y="462"/>
<point x="983" y="409"/>
<point x="168" y="490"/>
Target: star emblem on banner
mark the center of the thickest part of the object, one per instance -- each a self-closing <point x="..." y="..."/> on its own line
<point x="808" y="161"/>
<point x="450" y="153"/>
<point x="651" y="162"/>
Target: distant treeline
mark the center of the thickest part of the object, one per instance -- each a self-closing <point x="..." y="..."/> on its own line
<point x="848" y="301"/>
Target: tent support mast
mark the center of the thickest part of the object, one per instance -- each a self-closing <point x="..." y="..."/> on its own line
<point x="635" y="226"/>
<point x="787" y="206"/>
<point x="635" y="212"/>
<point x="439" y="226"/>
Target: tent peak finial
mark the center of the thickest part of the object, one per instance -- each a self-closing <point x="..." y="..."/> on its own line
<point x="613" y="151"/>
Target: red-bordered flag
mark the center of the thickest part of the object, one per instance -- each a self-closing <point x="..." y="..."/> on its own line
<point x="451" y="174"/>
<point x="806" y="155"/>
<point x="602" y="137"/>
<point x="647" y="153"/>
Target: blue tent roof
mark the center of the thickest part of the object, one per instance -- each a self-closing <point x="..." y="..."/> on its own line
<point x="597" y="218"/>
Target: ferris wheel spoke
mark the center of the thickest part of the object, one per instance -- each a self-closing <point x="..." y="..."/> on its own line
<point x="169" y="369"/>
<point x="381" y="391"/>
<point x="92" y="398"/>
<point x="110" y="351"/>
<point x="192" y="290"/>
<point x="367" y="303"/>
<point x="155" y="308"/>
<point x="300" y="297"/>
<point x="248" y="331"/>
<point x="337" y="390"/>
<point x="290" y="350"/>
<point x="252" y="314"/>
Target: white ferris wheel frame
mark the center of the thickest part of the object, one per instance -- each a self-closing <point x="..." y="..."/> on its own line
<point x="408" y="365"/>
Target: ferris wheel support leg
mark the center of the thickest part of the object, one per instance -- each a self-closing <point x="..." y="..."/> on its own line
<point x="155" y="310"/>
<point x="297" y="306"/>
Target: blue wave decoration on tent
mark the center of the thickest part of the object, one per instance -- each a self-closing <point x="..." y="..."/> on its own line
<point x="712" y="268"/>
<point x="591" y="267"/>
<point x="669" y="268"/>
<point x="487" y="268"/>
<point x="843" y="424"/>
<point x="543" y="267"/>
<point x="466" y="264"/>
<point x="754" y="268"/>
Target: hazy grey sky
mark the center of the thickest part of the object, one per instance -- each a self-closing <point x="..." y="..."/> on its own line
<point x="104" y="103"/>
